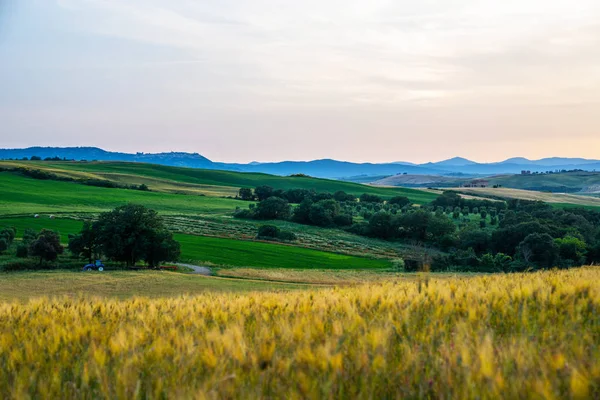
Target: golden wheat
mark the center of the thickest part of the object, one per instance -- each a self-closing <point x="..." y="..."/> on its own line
<point x="505" y="336"/>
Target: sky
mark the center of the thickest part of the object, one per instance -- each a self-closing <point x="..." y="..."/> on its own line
<point x="270" y="80"/>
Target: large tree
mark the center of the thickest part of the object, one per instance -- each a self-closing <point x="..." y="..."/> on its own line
<point x="132" y="233"/>
<point x="47" y="246"/>
<point x="273" y="208"/>
<point x="85" y="243"/>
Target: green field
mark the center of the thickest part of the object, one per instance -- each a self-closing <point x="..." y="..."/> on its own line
<point x="209" y="182"/>
<point x="240" y="253"/>
<point x="22" y="195"/>
<point x="223" y="252"/>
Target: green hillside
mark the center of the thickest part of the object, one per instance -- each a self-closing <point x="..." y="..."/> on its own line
<point x="208" y="182"/>
<point x="26" y="195"/>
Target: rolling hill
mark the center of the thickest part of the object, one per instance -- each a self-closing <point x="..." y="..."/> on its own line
<point x="319" y="168"/>
<point x="180" y="180"/>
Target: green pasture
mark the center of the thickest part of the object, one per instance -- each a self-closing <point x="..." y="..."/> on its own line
<point x="19" y="195"/>
<point x="239" y="253"/>
<point x="136" y="173"/>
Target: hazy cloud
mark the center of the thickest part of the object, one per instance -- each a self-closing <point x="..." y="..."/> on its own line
<point x="378" y="80"/>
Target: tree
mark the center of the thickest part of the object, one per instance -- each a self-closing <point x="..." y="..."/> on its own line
<point x="441" y="229"/>
<point x="263" y="192"/>
<point x="297" y="196"/>
<point x="29" y="235"/>
<point x="268" y="231"/>
<point x="572" y="250"/>
<point x="340" y="195"/>
<point x="273" y="208"/>
<point x="3" y="245"/>
<point x="414" y="225"/>
<point x="381" y="225"/>
<point x="246" y="194"/>
<point x="85" y="243"/>
<point x="132" y="233"/>
<point x="324" y="212"/>
<point x="539" y="249"/>
<point x="160" y="246"/>
<point x="370" y="198"/>
<point x="302" y="212"/>
<point x="401" y="201"/>
<point x="47" y="246"/>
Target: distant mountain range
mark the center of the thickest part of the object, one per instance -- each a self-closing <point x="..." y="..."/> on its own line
<point x="319" y="168"/>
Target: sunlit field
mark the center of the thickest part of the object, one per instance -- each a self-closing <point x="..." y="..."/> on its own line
<point x="531" y="335"/>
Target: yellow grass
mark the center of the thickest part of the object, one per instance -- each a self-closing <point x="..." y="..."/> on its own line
<point x="503" y="336"/>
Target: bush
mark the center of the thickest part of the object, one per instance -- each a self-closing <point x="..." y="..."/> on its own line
<point x="3" y="245"/>
<point x="273" y="232"/>
<point x="287" y="236"/>
<point x="398" y="264"/>
<point x="22" y="251"/>
<point x="268" y="231"/>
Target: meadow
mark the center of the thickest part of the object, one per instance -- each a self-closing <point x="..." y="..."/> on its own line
<point x="516" y="336"/>
<point x="25" y="286"/>
<point x="202" y="181"/>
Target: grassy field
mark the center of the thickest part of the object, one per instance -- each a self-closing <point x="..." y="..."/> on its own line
<point x="22" y="286"/>
<point x="554" y="198"/>
<point x="223" y="251"/>
<point x="514" y="336"/>
<point x="240" y="253"/>
<point x="26" y="195"/>
<point x="209" y="182"/>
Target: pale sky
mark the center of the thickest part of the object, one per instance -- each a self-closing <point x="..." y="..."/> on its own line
<point x="243" y="80"/>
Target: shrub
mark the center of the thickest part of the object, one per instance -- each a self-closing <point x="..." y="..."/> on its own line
<point x="287" y="236"/>
<point x="268" y="231"/>
<point x="22" y="251"/>
<point x="398" y="264"/>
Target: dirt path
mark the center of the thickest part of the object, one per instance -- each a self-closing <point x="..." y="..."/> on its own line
<point x="197" y="269"/>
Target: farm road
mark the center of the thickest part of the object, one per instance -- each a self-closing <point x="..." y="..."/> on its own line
<point x="197" y="269"/>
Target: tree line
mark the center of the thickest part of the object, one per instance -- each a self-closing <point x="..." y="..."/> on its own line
<point x="472" y="234"/>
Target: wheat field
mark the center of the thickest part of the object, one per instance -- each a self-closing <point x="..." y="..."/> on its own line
<point x="504" y="336"/>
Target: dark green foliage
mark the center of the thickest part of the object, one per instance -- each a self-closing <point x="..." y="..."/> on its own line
<point x="302" y="212"/>
<point x="270" y="232"/>
<point x="297" y="196"/>
<point x="3" y="245"/>
<point x="159" y="246"/>
<point x="342" y="196"/>
<point x="132" y="233"/>
<point x="246" y="194"/>
<point x="22" y="251"/>
<point x="273" y="208"/>
<point x="381" y="225"/>
<point x="263" y="192"/>
<point x="400" y="201"/>
<point x="538" y="250"/>
<point x="572" y="251"/>
<point x="84" y="244"/>
<point x="370" y="198"/>
<point x="324" y="212"/>
<point x="47" y="246"/>
<point x="29" y="235"/>
<point x="343" y="220"/>
<point x="475" y="239"/>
